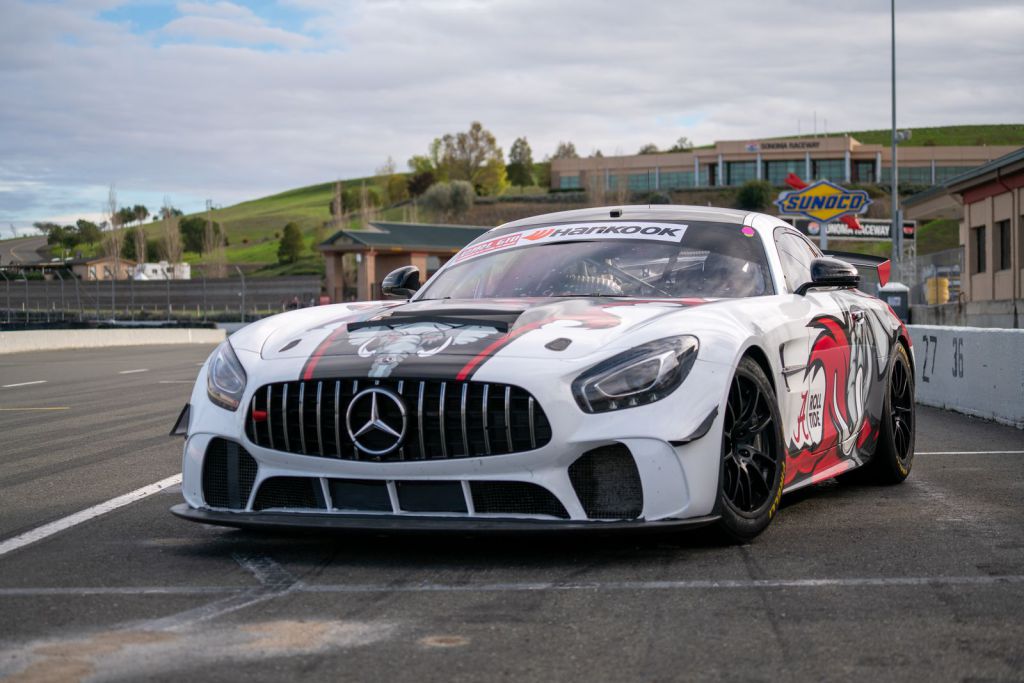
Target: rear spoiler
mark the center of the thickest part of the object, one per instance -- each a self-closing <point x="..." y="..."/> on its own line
<point x="877" y="264"/>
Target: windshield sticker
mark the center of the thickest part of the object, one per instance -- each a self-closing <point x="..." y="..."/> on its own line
<point x="659" y="232"/>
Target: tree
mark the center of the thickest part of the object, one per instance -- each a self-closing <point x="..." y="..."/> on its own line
<point x="125" y="216"/>
<point x="420" y="181"/>
<point x="194" y="234"/>
<point x="649" y="148"/>
<point x="392" y="184"/>
<point x="292" y="245"/>
<point x="754" y="195"/>
<point x="171" y="242"/>
<point x="683" y="144"/>
<point x="63" y="236"/>
<point x="473" y="156"/>
<point x="141" y="212"/>
<point x="520" y="166"/>
<point x="139" y="239"/>
<point x="449" y="200"/>
<point x="565" y="150"/>
<point x="88" y="232"/>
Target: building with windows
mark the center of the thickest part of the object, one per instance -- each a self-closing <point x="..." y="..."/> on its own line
<point x="841" y="159"/>
<point x="992" y="229"/>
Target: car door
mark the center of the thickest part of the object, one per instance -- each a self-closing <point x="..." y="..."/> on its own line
<point x="817" y="417"/>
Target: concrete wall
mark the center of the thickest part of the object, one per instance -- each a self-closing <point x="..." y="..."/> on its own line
<point x="1008" y="314"/>
<point x="46" y="340"/>
<point x="971" y="370"/>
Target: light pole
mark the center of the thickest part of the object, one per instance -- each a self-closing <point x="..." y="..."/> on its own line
<point x="242" y="275"/>
<point x="896" y="230"/>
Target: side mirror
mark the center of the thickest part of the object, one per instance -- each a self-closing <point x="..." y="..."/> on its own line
<point x="830" y="272"/>
<point x="401" y="283"/>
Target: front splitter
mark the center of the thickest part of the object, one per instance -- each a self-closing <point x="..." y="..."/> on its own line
<point x="284" y="521"/>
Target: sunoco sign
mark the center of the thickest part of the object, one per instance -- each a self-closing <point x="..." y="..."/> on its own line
<point x="823" y="201"/>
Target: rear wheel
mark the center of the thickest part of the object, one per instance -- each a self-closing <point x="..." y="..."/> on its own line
<point x="895" y="452"/>
<point x="753" y="458"/>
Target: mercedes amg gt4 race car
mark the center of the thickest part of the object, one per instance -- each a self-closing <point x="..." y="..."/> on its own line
<point x="616" y="367"/>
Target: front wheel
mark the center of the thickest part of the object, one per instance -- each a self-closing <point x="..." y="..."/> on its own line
<point x="753" y="456"/>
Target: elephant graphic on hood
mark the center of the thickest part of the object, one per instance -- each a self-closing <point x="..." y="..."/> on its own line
<point x="388" y="346"/>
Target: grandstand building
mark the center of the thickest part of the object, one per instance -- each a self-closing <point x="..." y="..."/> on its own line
<point x="841" y="159"/>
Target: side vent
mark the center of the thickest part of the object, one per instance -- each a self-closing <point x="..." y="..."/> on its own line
<point x="228" y="475"/>
<point x="607" y="483"/>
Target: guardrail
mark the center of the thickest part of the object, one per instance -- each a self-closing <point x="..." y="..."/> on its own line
<point x="972" y="370"/>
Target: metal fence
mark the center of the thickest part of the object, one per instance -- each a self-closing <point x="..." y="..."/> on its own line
<point x="64" y="297"/>
<point x="937" y="277"/>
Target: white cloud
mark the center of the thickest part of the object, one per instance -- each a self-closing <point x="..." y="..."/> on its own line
<point x="210" y="117"/>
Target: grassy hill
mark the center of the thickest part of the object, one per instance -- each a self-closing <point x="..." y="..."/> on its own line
<point x="946" y="136"/>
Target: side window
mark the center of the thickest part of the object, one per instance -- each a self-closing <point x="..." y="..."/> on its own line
<point x="796" y="254"/>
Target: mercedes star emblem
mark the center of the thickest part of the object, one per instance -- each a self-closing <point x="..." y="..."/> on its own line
<point x="375" y="425"/>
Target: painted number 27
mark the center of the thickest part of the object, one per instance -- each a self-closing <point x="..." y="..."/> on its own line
<point x="931" y="343"/>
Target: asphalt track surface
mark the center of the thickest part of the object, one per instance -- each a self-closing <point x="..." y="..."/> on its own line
<point x="21" y="250"/>
<point x="923" y="581"/>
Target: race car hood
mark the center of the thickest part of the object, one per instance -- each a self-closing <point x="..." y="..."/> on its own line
<point x="452" y="338"/>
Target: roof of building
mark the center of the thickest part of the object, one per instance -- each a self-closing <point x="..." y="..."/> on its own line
<point x="97" y="259"/>
<point x="978" y="173"/>
<point x="407" y="236"/>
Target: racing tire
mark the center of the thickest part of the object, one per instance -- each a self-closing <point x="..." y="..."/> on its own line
<point x="753" y="466"/>
<point x="894" y="454"/>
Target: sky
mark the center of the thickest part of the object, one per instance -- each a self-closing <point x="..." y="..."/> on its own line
<point x="231" y="100"/>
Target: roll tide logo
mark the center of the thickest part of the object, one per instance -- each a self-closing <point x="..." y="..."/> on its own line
<point x="823" y="201"/>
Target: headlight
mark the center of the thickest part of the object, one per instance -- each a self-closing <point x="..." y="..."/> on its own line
<point x="642" y="375"/>
<point x="225" y="379"/>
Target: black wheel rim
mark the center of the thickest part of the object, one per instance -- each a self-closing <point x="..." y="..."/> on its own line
<point x="901" y="403"/>
<point x="751" y="457"/>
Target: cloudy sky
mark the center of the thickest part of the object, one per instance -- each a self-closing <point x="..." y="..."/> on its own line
<point x="230" y="100"/>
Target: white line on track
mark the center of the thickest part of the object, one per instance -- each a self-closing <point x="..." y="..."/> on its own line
<point x="132" y="372"/>
<point x="697" y="584"/>
<point x="39" y="533"/>
<point x="969" y="453"/>
<point x="177" y="381"/>
<point x="23" y="384"/>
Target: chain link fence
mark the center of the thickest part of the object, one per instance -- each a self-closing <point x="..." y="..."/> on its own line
<point x="937" y="278"/>
<point x="59" y="296"/>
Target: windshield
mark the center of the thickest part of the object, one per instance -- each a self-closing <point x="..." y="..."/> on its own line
<point x="710" y="260"/>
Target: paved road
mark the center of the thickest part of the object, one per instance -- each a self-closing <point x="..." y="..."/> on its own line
<point x="21" y="250"/>
<point x="923" y="581"/>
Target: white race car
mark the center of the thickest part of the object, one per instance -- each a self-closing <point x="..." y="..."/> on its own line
<point x="638" y="366"/>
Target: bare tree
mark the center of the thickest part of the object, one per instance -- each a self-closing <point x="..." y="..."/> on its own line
<point x="213" y="244"/>
<point x="115" y="237"/>
<point x="172" y="235"/>
<point x="140" y="244"/>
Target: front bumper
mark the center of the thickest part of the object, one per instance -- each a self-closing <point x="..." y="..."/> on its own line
<point x="285" y="521"/>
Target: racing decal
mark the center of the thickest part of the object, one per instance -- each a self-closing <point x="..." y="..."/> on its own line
<point x="601" y="230"/>
<point x="840" y="396"/>
<point x="436" y="346"/>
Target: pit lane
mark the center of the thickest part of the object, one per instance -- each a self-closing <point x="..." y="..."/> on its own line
<point x="921" y="581"/>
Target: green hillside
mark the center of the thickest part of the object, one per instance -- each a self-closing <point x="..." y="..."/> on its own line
<point x="946" y="136"/>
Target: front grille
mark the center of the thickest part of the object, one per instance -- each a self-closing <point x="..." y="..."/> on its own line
<point x="607" y="483"/>
<point x="515" y="498"/>
<point x="442" y="419"/>
<point x="228" y="475"/>
<point x="290" y="492"/>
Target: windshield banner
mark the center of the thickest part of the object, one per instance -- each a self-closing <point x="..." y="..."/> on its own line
<point x="607" y="230"/>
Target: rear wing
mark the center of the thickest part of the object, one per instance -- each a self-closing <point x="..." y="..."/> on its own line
<point x="871" y="268"/>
